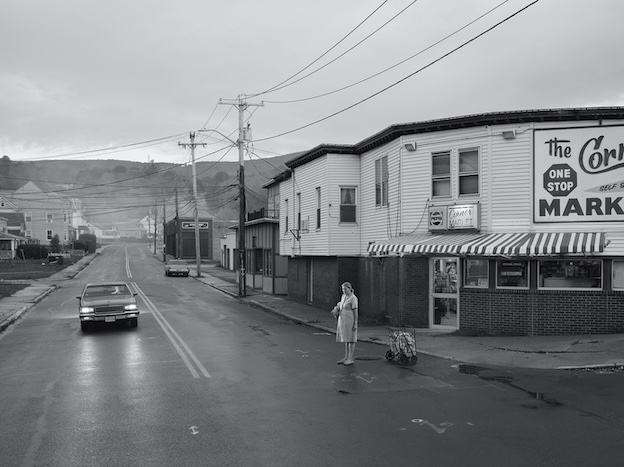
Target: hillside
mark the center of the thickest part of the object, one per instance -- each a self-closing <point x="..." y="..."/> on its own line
<point x="122" y="190"/>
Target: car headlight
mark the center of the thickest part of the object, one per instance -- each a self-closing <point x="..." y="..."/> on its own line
<point x="131" y="307"/>
<point x="87" y="309"/>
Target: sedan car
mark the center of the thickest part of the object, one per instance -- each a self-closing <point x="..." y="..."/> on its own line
<point x="177" y="267"/>
<point x="107" y="302"/>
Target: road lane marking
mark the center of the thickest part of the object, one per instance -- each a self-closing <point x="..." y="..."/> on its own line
<point x="439" y="431"/>
<point x="128" y="271"/>
<point x="178" y="343"/>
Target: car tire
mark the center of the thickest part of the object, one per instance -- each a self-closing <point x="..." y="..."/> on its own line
<point x="85" y="326"/>
<point x="134" y="322"/>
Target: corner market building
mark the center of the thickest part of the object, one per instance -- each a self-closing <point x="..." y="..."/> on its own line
<point x="498" y="223"/>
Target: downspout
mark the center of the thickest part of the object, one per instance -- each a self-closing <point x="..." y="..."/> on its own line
<point x="294" y="210"/>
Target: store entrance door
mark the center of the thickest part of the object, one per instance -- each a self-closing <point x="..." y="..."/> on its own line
<point x="444" y="299"/>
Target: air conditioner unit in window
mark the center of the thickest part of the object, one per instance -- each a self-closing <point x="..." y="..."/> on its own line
<point x="304" y="225"/>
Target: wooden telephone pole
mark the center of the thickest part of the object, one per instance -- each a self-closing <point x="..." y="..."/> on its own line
<point x="243" y="136"/>
<point x="192" y="145"/>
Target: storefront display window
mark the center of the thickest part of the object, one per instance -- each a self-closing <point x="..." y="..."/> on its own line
<point x="511" y="273"/>
<point x="618" y="275"/>
<point x="585" y="274"/>
<point x="476" y="274"/>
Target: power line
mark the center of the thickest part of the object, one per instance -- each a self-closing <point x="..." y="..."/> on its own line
<point x="280" y="85"/>
<point x="402" y="79"/>
<point x="112" y="149"/>
<point x="379" y="73"/>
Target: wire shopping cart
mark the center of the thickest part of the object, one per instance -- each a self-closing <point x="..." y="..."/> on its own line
<point x="402" y="345"/>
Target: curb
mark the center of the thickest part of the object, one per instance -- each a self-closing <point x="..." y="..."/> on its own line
<point x="21" y="311"/>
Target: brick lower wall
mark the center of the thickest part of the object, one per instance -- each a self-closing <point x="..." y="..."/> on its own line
<point x="541" y="313"/>
<point x="395" y="291"/>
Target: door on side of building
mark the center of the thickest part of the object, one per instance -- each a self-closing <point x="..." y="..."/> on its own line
<point x="444" y="296"/>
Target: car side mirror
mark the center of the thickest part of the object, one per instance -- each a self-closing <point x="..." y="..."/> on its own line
<point x="78" y="298"/>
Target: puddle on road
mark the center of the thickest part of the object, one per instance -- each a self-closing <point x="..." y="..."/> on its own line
<point x="509" y="381"/>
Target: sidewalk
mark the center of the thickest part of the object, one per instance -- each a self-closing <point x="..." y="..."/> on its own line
<point x="545" y="352"/>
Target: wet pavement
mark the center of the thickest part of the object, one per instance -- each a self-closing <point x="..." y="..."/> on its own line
<point x="545" y="352"/>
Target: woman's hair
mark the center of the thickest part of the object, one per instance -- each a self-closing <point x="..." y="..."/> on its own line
<point x="348" y="285"/>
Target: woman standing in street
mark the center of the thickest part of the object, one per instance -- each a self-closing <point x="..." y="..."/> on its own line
<point x="346" y="310"/>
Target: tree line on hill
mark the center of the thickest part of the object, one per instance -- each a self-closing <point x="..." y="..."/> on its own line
<point x="114" y="189"/>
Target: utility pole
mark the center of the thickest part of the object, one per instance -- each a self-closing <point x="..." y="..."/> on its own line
<point x="192" y="145"/>
<point x="164" y="228"/>
<point x="178" y="234"/>
<point x="241" y="105"/>
<point x="155" y="227"/>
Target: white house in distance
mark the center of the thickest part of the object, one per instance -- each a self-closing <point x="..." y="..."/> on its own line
<point x="46" y="213"/>
<point x="497" y="223"/>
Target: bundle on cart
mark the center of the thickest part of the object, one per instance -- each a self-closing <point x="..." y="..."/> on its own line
<point x="402" y="345"/>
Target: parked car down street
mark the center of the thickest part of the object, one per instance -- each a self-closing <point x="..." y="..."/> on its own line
<point x="107" y="302"/>
<point x="177" y="267"/>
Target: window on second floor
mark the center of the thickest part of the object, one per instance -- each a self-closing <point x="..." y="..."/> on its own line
<point x="318" y="207"/>
<point x="441" y="173"/>
<point x="347" y="205"/>
<point x="463" y="180"/>
<point x="298" y="207"/>
<point x="49" y="234"/>
<point x="468" y="171"/>
<point x="28" y="216"/>
<point x="286" y="211"/>
<point x="49" y="217"/>
<point x="381" y="181"/>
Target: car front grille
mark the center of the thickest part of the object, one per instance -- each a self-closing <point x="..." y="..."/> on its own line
<point x="109" y="309"/>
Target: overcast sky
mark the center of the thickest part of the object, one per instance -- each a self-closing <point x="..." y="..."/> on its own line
<point x="128" y="79"/>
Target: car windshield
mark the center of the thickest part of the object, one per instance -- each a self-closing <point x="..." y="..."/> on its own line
<point x="177" y="262"/>
<point x="106" y="290"/>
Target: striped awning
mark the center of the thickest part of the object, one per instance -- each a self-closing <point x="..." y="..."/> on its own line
<point x="495" y="244"/>
<point x="507" y="244"/>
<point x="554" y="243"/>
<point x="422" y="244"/>
<point x="537" y="244"/>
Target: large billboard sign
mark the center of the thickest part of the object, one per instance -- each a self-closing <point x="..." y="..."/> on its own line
<point x="578" y="175"/>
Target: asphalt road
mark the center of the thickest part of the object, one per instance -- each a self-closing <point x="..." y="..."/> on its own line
<point x="206" y="380"/>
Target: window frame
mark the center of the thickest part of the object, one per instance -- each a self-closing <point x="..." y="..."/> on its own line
<point x="442" y="177"/>
<point x="382" y="179"/>
<point x="466" y="275"/>
<point x="468" y="173"/>
<point x="570" y="260"/>
<point x="351" y="207"/>
<point x="613" y="272"/>
<point x="514" y="287"/>
<point x="318" y="208"/>
<point x="286" y="215"/>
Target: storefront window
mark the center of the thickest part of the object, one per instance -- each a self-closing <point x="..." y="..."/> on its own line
<point x="512" y="273"/>
<point x="618" y="275"/>
<point x="585" y="274"/>
<point x="476" y="274"/>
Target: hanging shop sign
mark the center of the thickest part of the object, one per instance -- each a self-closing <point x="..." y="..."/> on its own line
<point x="454" y="217"/>
<point x="578" y="174"/>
